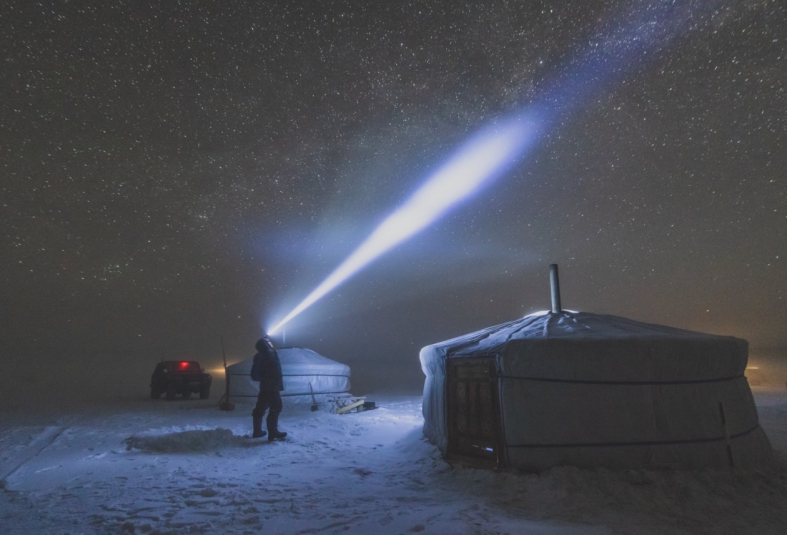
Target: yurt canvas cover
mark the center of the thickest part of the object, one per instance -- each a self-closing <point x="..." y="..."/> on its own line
<point x="300" y="367"/>
<point x="591" y="390"/>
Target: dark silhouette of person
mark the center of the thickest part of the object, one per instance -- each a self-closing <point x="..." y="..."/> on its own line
<point x="267" y="370"/>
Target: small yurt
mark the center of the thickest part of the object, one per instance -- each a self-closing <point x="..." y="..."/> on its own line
<point x="304" y="372"/>
<point x="574" y="388"/>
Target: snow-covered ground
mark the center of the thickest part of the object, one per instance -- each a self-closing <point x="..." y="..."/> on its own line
<point x="185" y="467"/>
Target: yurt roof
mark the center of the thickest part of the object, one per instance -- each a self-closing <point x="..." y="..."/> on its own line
<point x="566" y="325"/>
<point x="570" y="345"/>
<point x="297" y="361"/>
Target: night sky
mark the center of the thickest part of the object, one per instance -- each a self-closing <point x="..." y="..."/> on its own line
<point x="177" y="171"/>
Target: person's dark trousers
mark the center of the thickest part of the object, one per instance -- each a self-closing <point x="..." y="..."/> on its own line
<point x="266" y="399"/>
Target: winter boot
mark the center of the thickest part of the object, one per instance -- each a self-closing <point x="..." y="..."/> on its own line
<point x="273" y="428"/>
<point x="258" y="432"/>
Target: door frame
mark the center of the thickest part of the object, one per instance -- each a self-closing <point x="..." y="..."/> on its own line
<point x="493" y="379"/>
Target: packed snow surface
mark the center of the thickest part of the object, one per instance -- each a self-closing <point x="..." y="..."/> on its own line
<point x="185" y="467"/>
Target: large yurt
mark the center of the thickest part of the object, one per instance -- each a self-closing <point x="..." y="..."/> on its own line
<point x="304" y="372"/>
<point x="574" y="388"/>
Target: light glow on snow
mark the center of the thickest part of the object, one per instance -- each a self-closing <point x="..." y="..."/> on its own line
<point x="484" y="158"/>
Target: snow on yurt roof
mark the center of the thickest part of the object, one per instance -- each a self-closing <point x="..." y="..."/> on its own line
<point x="566" y="324"/>
<point x="569" y="344"/>
<point x="297" y="361"/>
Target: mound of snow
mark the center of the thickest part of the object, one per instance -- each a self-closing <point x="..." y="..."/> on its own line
<point x="184" y="441"/>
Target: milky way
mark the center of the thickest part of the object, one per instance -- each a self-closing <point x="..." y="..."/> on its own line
<point x="175" y="171"/>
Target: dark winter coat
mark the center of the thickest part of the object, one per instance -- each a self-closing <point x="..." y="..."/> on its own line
<point x="267" y="368"/>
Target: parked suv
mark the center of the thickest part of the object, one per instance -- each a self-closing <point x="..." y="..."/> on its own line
<point x="179" y="377"/>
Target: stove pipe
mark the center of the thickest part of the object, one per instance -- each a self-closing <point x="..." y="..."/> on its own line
<point x="555" y="285"/>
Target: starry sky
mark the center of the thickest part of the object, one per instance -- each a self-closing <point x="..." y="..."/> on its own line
<point x="174" y="172"/>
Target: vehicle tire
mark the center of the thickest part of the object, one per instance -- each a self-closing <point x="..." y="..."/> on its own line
<point x="204" y="393"/>
<point x="170" y="392"/>
<point x="186" y="394"/>
<point x="155" y="393"/>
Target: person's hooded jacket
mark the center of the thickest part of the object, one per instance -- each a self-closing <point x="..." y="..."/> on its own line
<point x="267" y="368"/>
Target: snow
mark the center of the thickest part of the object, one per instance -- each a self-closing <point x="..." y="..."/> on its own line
<point x="186" y="467"/>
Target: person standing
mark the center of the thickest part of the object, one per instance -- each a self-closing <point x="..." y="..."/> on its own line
<point x="267" y="370"/>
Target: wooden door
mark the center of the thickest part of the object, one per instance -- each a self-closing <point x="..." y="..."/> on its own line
<point x="473" y="408"/>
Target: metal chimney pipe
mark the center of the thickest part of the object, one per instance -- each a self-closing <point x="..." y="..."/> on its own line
<point x="554" y="283"/>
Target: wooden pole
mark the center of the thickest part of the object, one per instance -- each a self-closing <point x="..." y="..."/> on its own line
<point x="224" y="403"/>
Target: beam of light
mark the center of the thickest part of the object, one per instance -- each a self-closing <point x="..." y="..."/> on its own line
<point x="486" y="156"/>
<point x="481" y="160"/>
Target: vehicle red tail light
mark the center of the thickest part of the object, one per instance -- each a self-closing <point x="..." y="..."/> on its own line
<point x="184" y="365"/>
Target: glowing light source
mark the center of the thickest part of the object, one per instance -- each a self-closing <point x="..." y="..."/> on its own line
<point x="481" y="160"/>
